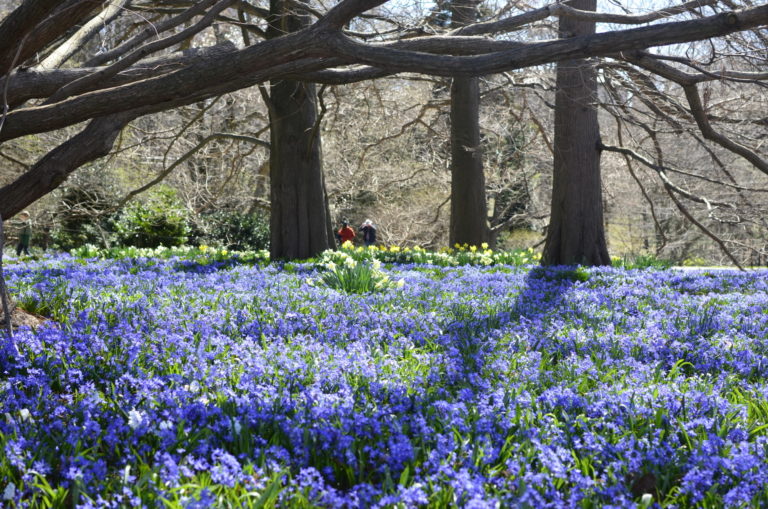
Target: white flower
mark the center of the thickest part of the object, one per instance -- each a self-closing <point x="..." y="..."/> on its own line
<point x="9" y="492"/>
<point x="165" y="425"/>
<point x="400" y="283"/>
<point x="376" y="264"/>
<point x="238" y="427"/>
<point x="25" y="415"/>
<point x="135" y="418"/>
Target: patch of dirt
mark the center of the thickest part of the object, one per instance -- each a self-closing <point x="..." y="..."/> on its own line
<point x="21" y="318"/>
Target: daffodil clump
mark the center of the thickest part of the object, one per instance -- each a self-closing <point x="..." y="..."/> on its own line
<point x="460" y="254"/>
<point x="456" y="256"/>
<point x="342" y="272"/>
<point x="202" y="254"/>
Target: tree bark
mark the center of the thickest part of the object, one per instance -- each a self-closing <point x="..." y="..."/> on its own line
<point x="576" y="234"/>
<point x="35" y="24"/>
<point x="299" y="221"/>
<point x="469" y="210"/>
<point x="93" y="142"/>
<point x="7" y="304"/>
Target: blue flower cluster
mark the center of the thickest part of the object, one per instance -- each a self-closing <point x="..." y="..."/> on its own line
<point x="160" y="382"/>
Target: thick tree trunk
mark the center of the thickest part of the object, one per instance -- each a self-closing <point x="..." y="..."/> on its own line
<point x="576" y="234"/>
<point x="299" y="223"/>
<point x="469" y="210"/>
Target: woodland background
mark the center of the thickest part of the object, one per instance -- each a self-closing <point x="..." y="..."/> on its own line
<point x="386" y="152"/>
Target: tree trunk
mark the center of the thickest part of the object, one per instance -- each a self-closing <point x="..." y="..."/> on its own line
<point x="299" y="223"/>
<point x="469" y="211"/>
<point x="6" y="304"/>
<point x="576" y="234"/>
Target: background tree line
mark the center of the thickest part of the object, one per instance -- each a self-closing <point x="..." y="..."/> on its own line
<point x="458" y="121"/>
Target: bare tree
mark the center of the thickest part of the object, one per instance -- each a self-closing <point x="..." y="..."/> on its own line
<point x="138" y="76"/>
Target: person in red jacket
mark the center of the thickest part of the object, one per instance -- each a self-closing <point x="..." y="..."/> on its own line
<point x="345" y="233"/>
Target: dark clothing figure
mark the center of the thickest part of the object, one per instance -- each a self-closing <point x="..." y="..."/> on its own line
<point x="369" y="233"/>
<point x="25" y="235"/>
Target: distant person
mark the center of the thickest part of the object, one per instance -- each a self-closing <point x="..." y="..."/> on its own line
<point x="345" y="233"/>
<point x="25" y="233"/>
<point x="369" y="233"/>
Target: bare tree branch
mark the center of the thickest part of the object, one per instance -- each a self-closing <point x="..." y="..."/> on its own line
<point x="703" y="228"/>
<point x="277" y="57"/>
<point x="662" y="172"/>
<point x="93" y="142"/>
<point x="86" y="81"/>
<point x="167" y="171"/>
<point x="65" y="51"/>
<point x="151" y="30"/>
<point x="694" y="100"/>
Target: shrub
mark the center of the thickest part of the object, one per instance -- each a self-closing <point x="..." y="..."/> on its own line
<point x="239" y="231"/>
<point x="161" y="221"/>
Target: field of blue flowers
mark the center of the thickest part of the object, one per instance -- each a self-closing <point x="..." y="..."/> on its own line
<point x="172" y="383"/>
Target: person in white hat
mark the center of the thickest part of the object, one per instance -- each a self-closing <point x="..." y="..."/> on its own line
<point x="369" y="232"/>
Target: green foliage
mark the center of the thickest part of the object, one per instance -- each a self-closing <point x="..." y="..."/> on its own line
<point x="696" y="261"/>
<point x="233" y="230"/>
<point x="161" y="221"/>
<point x="579" y="273"/>
<point x="642" y="261"/>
